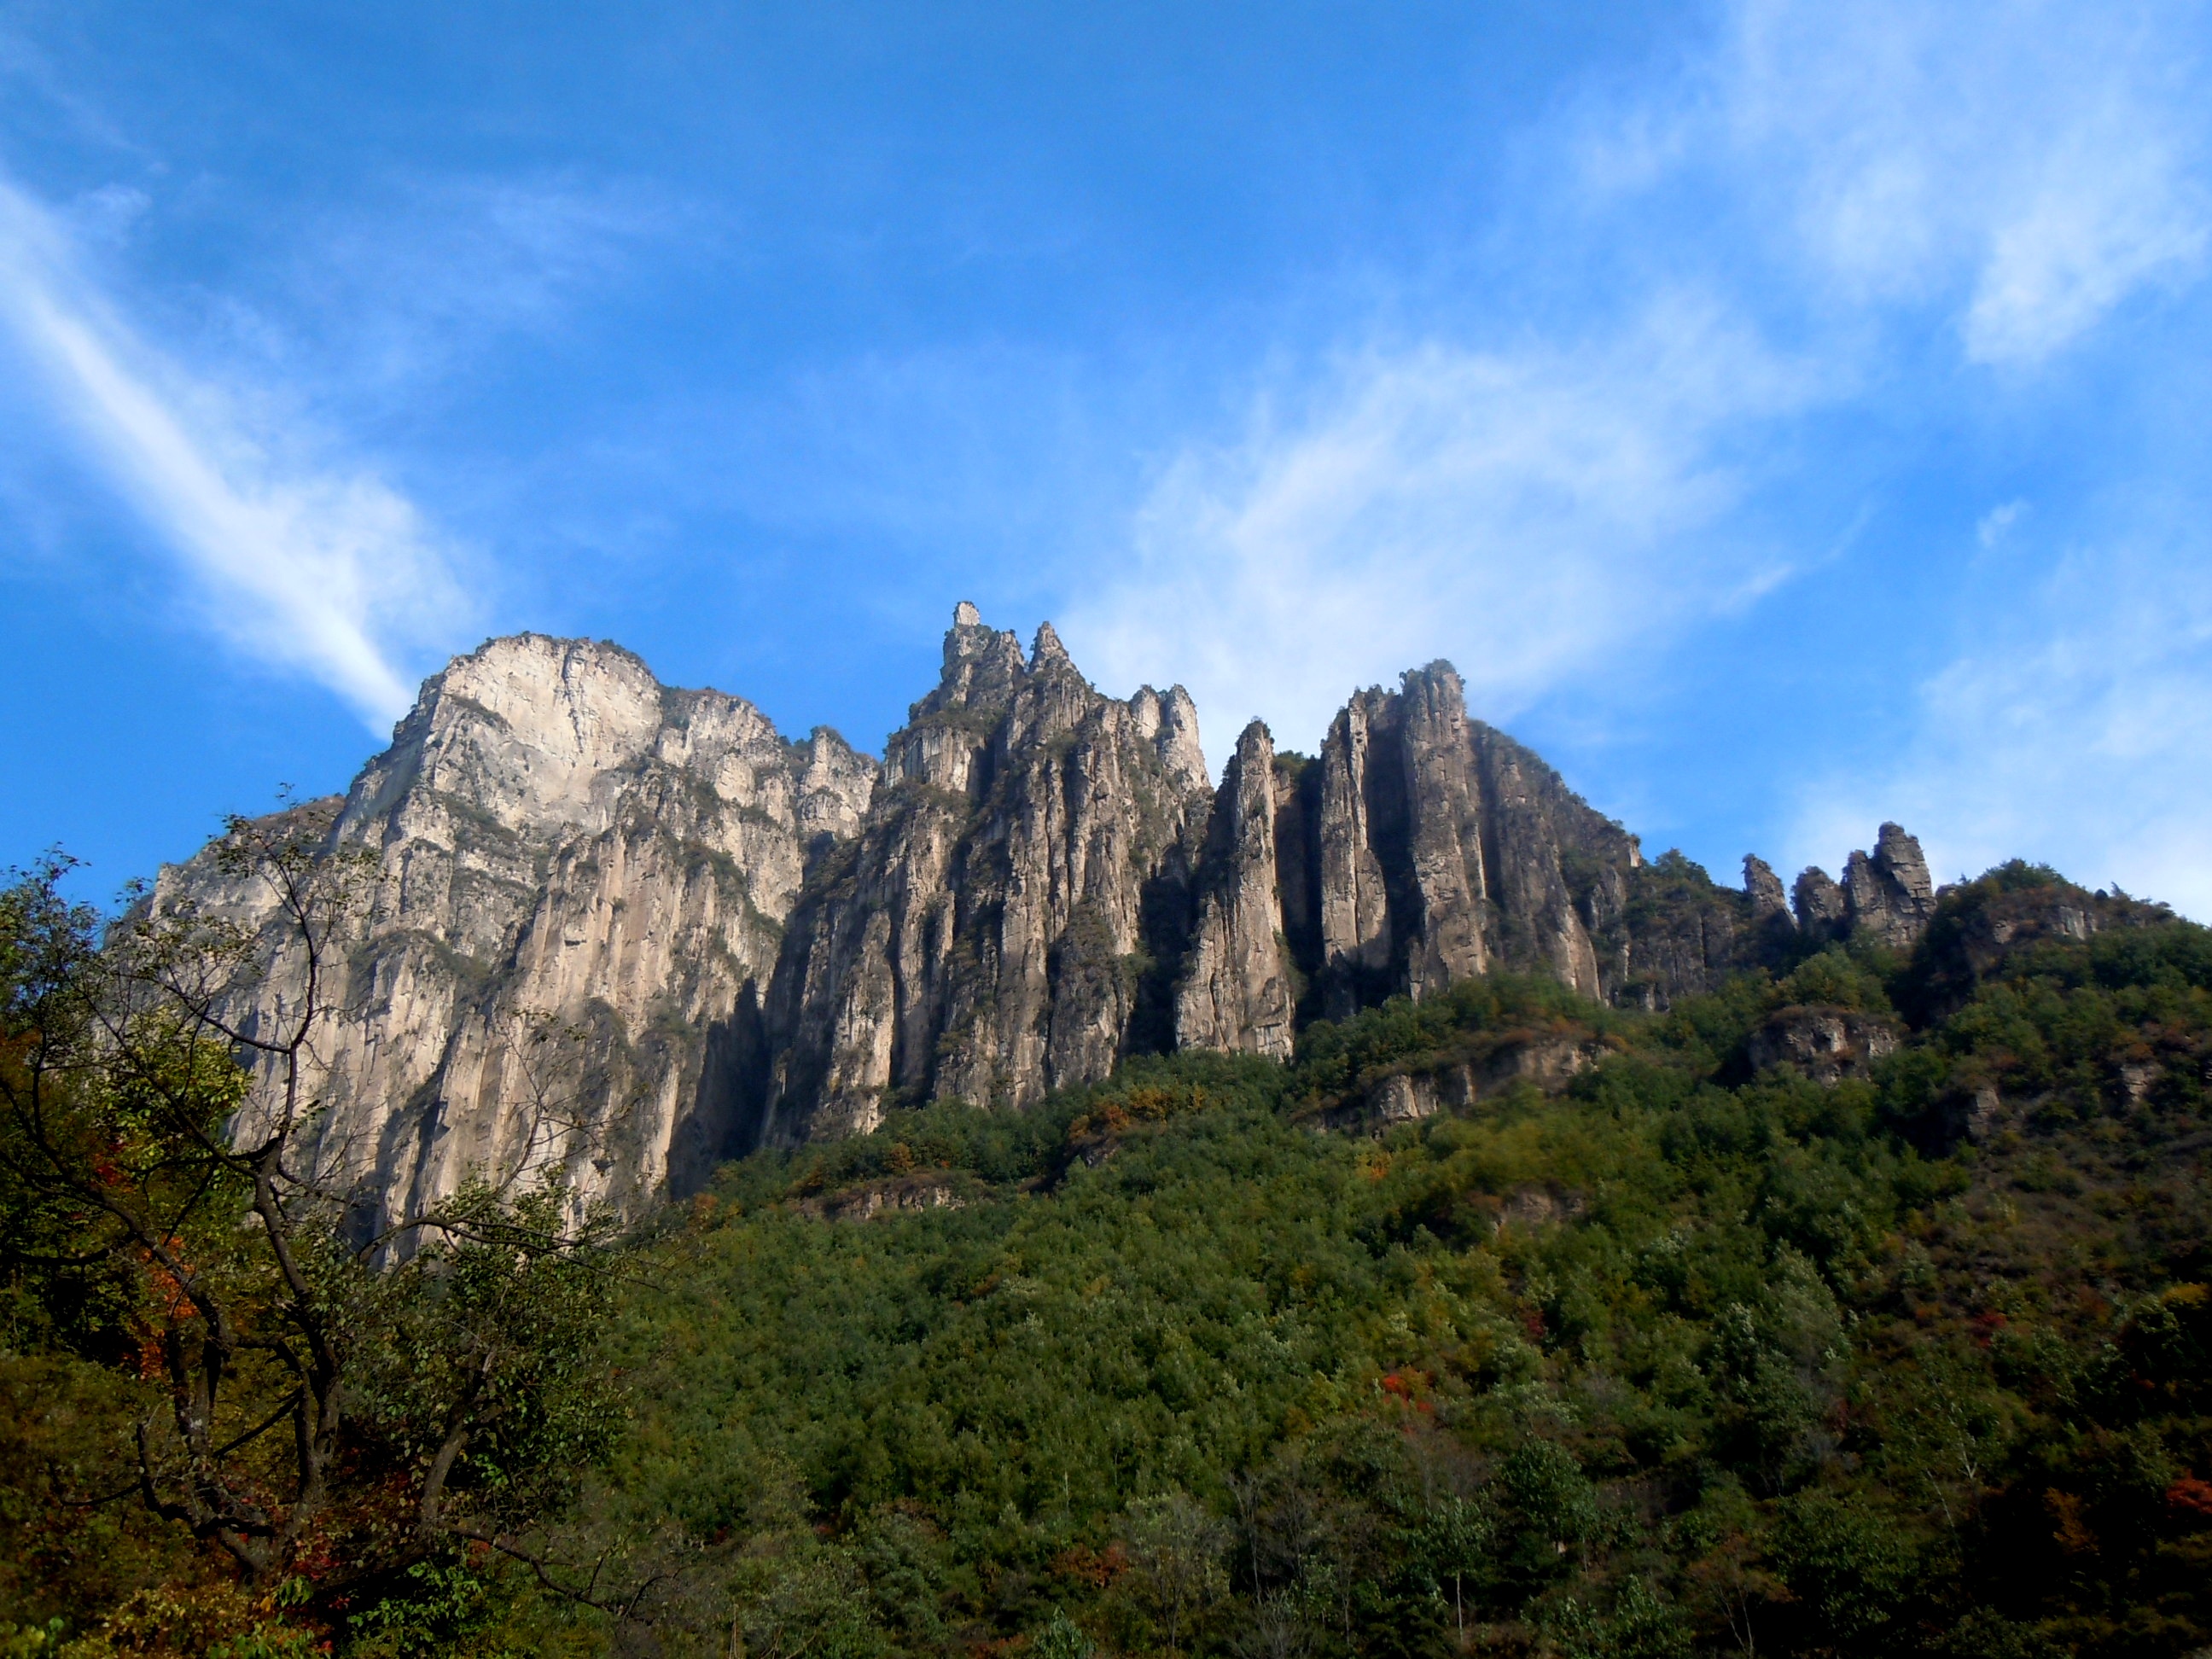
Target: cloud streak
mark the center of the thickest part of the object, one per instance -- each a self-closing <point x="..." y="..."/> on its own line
<point x="316" y="569"/>
<point x="1525" y="511"/>
<point x="421" y="277"/>
<point x="1998" y="179"/>
<point x="2028" y="164"/>
<point x="2075" y="736"/>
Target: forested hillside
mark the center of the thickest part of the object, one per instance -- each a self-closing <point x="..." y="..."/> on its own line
<point x="1860" y="1308"/>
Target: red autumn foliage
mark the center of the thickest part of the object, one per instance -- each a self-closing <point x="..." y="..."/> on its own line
<point x="2191" y="1497"/>
<point x="1097" y="1568"/>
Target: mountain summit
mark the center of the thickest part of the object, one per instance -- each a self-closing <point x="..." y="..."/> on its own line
<point x="627" y="931"/>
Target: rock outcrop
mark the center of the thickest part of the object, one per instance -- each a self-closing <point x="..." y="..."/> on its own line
<point x="1826" y="1044"/>
<point x="1422" y="846"/>
<point x="1236" y="991"/>
<point x="575" y="879"/>
<point x="1011" y="916"/>
<point x="1886" y="893"/>
<point x="625" y="932"/>
<point x="1407" y="1097"/>
<point x="1889" y="894"/>
<point x="1763" y="889"/>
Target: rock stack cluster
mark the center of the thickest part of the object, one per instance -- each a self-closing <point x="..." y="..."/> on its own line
<point x="628" y="931"/>
<point x="1886" y="892"/>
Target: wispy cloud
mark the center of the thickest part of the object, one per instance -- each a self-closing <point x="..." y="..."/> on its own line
<point x="1525" y="511"/>
<point x="1994" y="525"/>
<point x="307" y="565"/>
<point x="2004" y="176"/>
<point x="2073" y="732"/>
<point x="2027" y="165"/>
<point x="2015" y="172"/>
<point x="396" y="289"/>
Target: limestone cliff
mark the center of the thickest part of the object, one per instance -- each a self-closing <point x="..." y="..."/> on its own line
<point x="1010" y="917"/>
<point x="626" y="931"/>
<point x="1422" y="846"/>
<point x="575" y="883"/>
<point x="1236" y="991"/>
<point x="1436" y="846"/>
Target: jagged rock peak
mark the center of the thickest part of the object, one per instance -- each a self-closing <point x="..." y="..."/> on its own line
<point x="523" y="728"/>
<point x="753" y="939"/>
<point x="1168" y="721"/>
<point x="1047" y="648"/>
<point x="558" y="837"/>
<point x="835" y="783"/>
<point x="1763" y="887"/>
<point x="982" y="666"/>
<point x="1818" y="901"/>
<point x="946" y="741"/>
<point x="1009" y="921"/>
<point x="1898" y="857"/>
<point x="1438" y="848"/>
<point x="1888" y="893"/>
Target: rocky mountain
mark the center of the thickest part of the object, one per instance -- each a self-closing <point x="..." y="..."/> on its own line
<point x="1007" y="919"/>
<point x="628" y="931"/>
<point x="576" y="882"/>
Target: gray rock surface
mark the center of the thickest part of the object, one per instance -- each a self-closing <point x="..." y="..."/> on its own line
<point x="1889" y="893"/>
<point x="575" y="881"/>
<point x="1434" y="847"/>
<point x="1763" y="888"/>
<point x="1820" y="905"/>
<point x="995" y="931"/>
<point x="1827" y="1044"/>
<point x="625" y="932"/>
<point x="1886" y="894"/>
<point x="1237" y="989"/>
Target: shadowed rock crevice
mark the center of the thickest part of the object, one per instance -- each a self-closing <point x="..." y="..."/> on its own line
<point x="728" y="1115"/>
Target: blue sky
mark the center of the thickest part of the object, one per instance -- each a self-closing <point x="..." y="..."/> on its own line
<point x="1786" y="415"/>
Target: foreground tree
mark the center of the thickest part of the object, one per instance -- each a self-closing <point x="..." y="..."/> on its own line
<point x="327" y="1407"/>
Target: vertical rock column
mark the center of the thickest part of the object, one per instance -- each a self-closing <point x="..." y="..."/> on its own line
<point x="1442" y="848"/>
<point x="988" y="939"/>
<point x="1763" y="888"/>
<point x="1235" y="993"/>
<point x="1443" y="812"/>
<point x="1534" y="822"/>
<point x="1890" y="894"/>
<point x="1355" y="904"/>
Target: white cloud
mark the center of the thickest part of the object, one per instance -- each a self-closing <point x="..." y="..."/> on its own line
<point x="2018" y="168"/>
<point x="2074" y="735"/>
<point x="310" y="567"/>
<point x="1526" y="512"/>
<point x="2031" y="164"/>
<point x="1994" y="525"/>
<point x="389" y="293"/>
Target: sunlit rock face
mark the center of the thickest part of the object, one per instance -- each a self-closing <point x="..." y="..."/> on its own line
<point x="1886" y="894"/>
<point x="1440" y="848"/>
<point x="1237" y="990"/>
<point x="1423" y="845"/>
<point x="1011" y="916"/>
<point x="622" y="932"/>
<point x="574" y="880"/>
